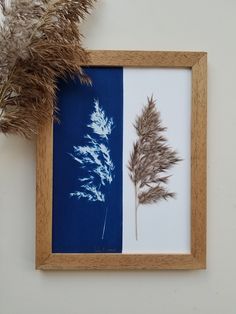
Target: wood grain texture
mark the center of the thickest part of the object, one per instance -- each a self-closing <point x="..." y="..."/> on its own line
<point x="44" y="194"/>
<point x="120" y="261"/>
<point x="198" y="160"/>
<point x="144" y="58"/>
<point x="46" y="260"/>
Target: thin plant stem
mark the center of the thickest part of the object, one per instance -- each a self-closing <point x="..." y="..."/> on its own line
<point x="136" y="212"/>
<point x="104" y="224"/>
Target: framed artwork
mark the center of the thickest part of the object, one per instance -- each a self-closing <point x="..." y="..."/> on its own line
<point x="121" y="180"/>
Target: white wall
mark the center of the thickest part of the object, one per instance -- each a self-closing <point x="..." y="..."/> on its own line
<point x="135" y="24"/>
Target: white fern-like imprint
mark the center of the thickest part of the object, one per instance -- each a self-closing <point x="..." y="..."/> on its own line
<point x="95" y="158"/>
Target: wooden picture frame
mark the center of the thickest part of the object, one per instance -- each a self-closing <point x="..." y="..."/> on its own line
<point x="46" y="260"/>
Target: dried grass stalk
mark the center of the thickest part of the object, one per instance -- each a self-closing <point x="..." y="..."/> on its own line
<point x="150" y="159"/>
<point x="40" y="41"/>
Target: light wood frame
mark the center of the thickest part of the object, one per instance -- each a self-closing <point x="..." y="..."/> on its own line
<point x="46" y="260"/>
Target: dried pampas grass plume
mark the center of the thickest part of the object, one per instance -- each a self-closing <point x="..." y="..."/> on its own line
<point x="40" y="41"/>
<point x="150" y="159"/>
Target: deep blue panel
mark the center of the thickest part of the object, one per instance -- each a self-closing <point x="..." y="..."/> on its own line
<point x="80" y="224"/>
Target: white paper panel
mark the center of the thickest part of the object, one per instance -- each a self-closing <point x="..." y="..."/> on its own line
<point x="163" y="227"/>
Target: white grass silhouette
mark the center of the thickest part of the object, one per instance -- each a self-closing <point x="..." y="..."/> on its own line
<point x="100" y="124"/>
<point x="95" y="158"/>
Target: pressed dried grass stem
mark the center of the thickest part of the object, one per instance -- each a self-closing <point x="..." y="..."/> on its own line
<point x="150" y="159"/>
<point x="136" y="211"/>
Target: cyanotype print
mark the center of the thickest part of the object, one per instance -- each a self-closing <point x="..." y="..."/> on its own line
<point x="87" y="202"/>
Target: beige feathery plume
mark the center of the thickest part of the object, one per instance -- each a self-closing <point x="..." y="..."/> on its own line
<point x="150" y="159"/>
<point x="40" y="41"/>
